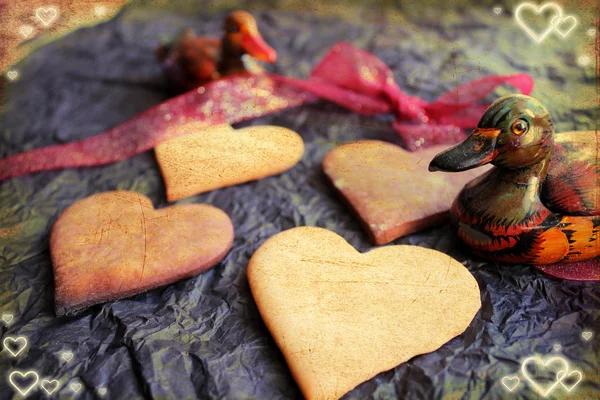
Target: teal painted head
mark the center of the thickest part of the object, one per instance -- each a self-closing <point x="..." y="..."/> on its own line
<point x="514" y="132"/>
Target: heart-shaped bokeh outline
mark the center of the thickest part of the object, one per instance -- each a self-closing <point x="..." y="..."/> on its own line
<point x="511" y="378"/>
<point x="538" y="10"/>
<point x="46" y="382"/>
<point x="567" y="388"/>
<point x="75" y="387"/>
<point x="558" y="24"/>
<point x="66" y="355"/>
<point x="46" y="15"/>
<point x="538" y="360"/>
<point x="12" y="75"/>
<point x="26" y="30"/>
<point x="11" y="339"/>
<point x="26" y="390"/>
<point x="8" y="318"/>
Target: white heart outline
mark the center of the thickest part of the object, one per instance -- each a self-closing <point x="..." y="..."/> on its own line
<point x="556" y="26"/>
<point x="75" y="386"/>
<point x="14" y="340"/>
<point x="26" y="30"/>
<point x="12" y="75"/>
<point x="510" y="378"/>
<point x="7" y="318"/>
<point x="540" y="361"/>
<point x="102" y="391"/>
<point x="67" y="355"/>
<point x="570" y="373"/>
<point x="44" y="10"/>
<point x="557" y="347"/>
<point x="23" y="375"/>
<point x="538" y="10"/>
<point x="48" y="381"/>
<point x="497" y="10"/>
<point x="588" y="334"/>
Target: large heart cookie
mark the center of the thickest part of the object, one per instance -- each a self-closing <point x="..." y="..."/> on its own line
<point x="206" y="159"/>
<point x="391" y="190"/>
<point x="341" y="317"/>
<point x="115" y="244"/>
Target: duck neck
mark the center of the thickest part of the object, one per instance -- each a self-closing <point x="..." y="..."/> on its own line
<point x="526" y="175"/>
<point x="503" y="196"/>
<point x="231" y="58"/>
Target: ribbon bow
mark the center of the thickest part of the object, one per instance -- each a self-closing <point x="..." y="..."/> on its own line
<point x="347" y="76"/>
<point x="361" y="82"/>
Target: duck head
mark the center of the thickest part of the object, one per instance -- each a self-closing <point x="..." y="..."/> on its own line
<point x="241" y="32"/>
<point x="514" y="132"/>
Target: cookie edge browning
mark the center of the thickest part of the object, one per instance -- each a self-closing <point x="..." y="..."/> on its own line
<point x="62" y="308"/>
<point x="188" y="129"/>
<point x="269" y="324"/>
<point x="250" y="270"/>
<point x="171" y="197"/>
<point x="379" y="237"/>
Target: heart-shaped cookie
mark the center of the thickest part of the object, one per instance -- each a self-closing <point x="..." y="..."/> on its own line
<point x="390" y="189"/>
<point x="115" y="244"/>
<point x="201" y="159"/>
<point x="341" y="317"/>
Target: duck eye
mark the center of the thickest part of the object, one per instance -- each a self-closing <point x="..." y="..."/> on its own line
<point x="519" y="127"/>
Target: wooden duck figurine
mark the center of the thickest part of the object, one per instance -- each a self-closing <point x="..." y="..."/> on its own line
<point x="541" y="202"/>
<point x="191" y="61"/>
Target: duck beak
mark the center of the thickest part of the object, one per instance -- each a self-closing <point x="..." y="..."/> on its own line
<point x="476" y="150"/>
<point x="253" y="44"/>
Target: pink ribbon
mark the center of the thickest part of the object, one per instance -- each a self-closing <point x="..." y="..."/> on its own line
<point x="361" y="82"/>
<point x="347" y="76"/>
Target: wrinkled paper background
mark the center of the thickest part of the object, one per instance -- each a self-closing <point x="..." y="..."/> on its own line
<point x="203" y="337"/>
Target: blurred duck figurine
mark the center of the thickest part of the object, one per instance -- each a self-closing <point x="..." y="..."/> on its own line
<point x="541" y="202"/>
<point x="191" y="61"/>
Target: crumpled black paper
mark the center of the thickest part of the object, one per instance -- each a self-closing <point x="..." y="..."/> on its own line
<point x="203" y="337"/>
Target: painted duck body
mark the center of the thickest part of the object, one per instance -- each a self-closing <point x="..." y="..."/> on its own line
<point x="541" y="202"/>
<point x="191" y="61"/>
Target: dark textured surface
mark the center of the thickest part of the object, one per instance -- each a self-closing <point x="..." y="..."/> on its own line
<point x="203" y="337"/>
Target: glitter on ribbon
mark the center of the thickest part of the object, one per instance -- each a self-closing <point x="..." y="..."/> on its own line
<point x="348" y="76"/>
<point x="576" y="271"/>
<point x="226" y="101"/>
